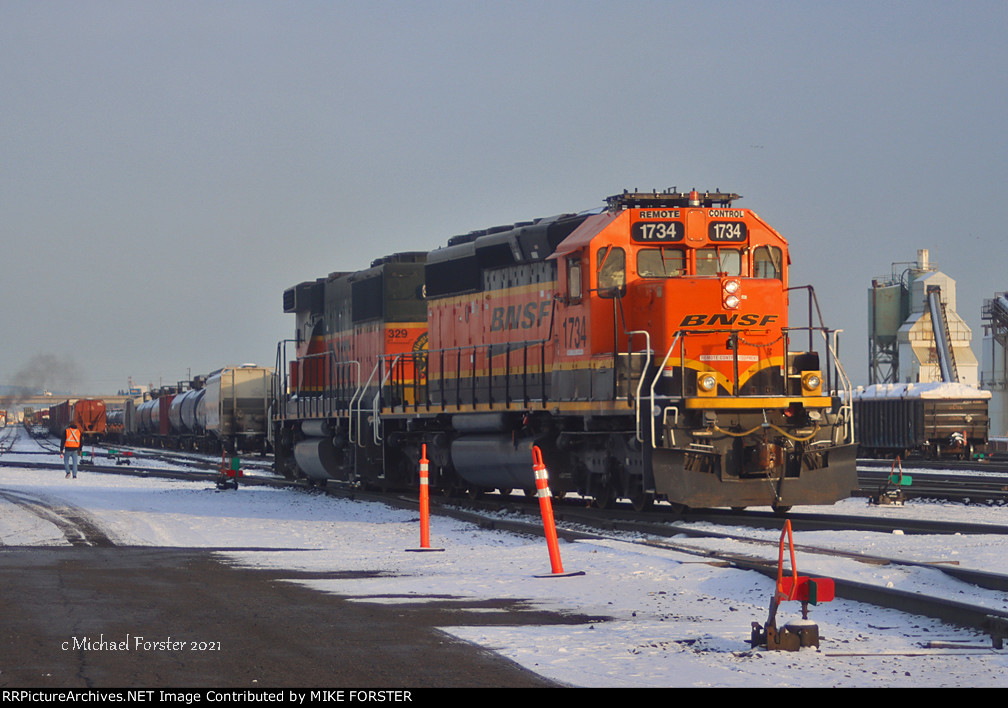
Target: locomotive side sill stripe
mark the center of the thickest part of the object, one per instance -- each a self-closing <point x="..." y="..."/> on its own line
<point x="757" y="402"/>
<point x="450" y="375"/>
<point x="556" y="407"/>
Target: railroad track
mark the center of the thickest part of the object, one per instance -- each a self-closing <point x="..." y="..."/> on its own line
<point x="994" y="463"/>
<point x="114" y="459"/>
<point x="194" y="466"/>
<point x="990" y="620"/>
<point x="129" y="455"/>
<point x="971" y="485"/>
<point x="8" y="436"/>
<point x="661" y="530"/>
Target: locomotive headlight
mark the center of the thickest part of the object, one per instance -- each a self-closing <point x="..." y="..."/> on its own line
<point x="811" y="382"/>
<point x="707" y="382"/>
<point x="730" y="293"/>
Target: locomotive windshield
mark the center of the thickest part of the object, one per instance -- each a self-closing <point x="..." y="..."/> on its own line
<point x="661" y="262"/>
<point x="711" y="261"/>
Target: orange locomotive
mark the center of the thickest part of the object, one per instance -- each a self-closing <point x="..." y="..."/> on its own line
<point x="645" y="348"/>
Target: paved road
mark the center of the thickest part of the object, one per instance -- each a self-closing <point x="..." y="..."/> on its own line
<point x="64" y="610"/>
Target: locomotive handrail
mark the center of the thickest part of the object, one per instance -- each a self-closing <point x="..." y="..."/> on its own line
<point x="421" y="361"/>
<point x="358" y="398"/>
<point x="376" y="403"/>
<point x="813" y="304"/>
<point x="654" y="383"/>
<point x="640" y="382"/>
<point x="813" y="301"/>
<point x="356" y="364"/>
<point x="326" y="369"/>
<point x="282" y="382"/>
<point x="734" y="333"/>
<point x="825" y="332"/>
<point x="847" y="408"/>
<point x="679" y="340"/>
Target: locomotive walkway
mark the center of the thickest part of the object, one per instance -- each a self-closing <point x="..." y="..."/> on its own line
<point x="99" y="616"/>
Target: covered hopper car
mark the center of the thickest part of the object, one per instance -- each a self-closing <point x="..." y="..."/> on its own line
<point x="88" y="413"/>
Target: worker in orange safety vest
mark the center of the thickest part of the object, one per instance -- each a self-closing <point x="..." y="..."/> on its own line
<point x="70" y="448"/>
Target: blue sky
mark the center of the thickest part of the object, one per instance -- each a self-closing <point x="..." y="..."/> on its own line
<point x="168" y="169"/>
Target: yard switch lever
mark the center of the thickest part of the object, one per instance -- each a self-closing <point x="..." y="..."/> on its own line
<point x="890" y="492"/>
<point x="797" y="633"/>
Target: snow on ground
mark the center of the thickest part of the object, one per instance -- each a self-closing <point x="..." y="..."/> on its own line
<point x="672" y="619"/>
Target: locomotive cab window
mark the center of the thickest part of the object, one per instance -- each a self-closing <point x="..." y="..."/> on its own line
<point x="767" y="262"/>
<point x="611" y="271"/>
<point x="661" y="262"/>
<point x="711" y="261"/>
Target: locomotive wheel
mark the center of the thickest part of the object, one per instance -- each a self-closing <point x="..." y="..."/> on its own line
<point x="475" y="492"/>
<point x="641" y="500"/>
<point x="505" y="491"/>
<point x="781" y="509"/>
<point x="605" y="499"/>
<point x="455" y="489"/>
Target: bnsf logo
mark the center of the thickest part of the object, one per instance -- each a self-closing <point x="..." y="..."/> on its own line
<point x="722" y="319"/>
<point x="518" y="317"/>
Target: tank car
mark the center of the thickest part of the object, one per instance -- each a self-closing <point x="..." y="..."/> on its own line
<point x="930" y="420"/>
<point x="114" y="422"/>
<point x="646" y="348"/>
<point x="154" y="420"/>
<point x="226" y="410"/>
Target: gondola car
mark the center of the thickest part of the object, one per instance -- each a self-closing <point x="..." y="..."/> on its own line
<point x="646" y="348"/>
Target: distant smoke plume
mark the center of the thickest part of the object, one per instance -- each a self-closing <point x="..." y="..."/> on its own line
<point x="45" y="372"/>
